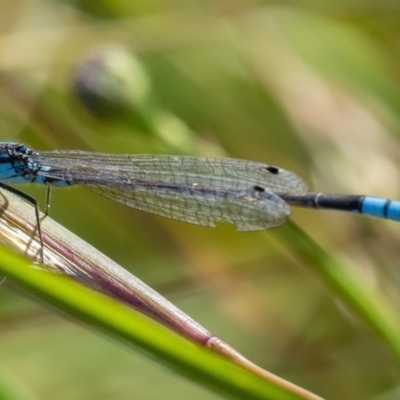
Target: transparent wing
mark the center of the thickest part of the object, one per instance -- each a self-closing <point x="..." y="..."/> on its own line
<point x="246" y="209"/>
<point x="196" y="190"/>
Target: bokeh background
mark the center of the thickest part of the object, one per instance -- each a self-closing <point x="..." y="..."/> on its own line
<point x="311" y="87"/>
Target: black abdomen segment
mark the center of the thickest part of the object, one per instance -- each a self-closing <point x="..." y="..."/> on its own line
<point x="374" y="206"/>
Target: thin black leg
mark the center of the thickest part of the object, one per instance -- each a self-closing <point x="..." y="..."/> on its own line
<point x="33" y="201"/>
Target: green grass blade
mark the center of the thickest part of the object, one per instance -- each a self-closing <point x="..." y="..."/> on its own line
<point x="135" y="330"/>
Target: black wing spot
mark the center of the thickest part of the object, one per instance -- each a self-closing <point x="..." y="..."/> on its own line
<point x="259" y="188"/>
<point x="273" y="170"/>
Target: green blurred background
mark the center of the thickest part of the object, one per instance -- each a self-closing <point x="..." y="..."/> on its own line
<point x="311" y="87"/>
